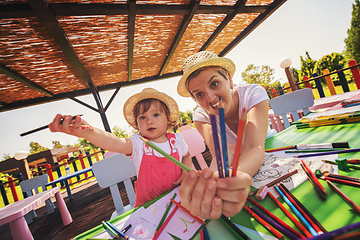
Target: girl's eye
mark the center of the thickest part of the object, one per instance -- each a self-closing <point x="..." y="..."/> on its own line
<point x="156" y="114"/>
<point x="141" y="117"/>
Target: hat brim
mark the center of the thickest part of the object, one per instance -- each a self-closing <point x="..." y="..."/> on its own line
<point x="225" y="63"/>
<point x="133" y="100"/>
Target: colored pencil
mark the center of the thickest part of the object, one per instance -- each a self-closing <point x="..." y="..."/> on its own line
<point x="312" y="179"/>
<point x="307" y="212"/>
<point x="272" y="183"/>
<point x="206" y="233"/>
<point x="110" y="230"/>
<point x="171" y="158"/>
<point x="216" y="145"/>
<point x="290" y="216"/>
<point x="342" y="181"/>
<point x="126" y="229"/>
<point x="277" y="226"/>
<point x="224" y="220"/>
<point x="165" y="223"/>
<point x="239" y="140"/>
<point x="123" y="235"/>
<point x="264" y="223"/>
<point x="201" y="234"/>
<point x="348" y="178"/>
<point x="349" y="236"/>
<point x="344" y="196"/>
<point x="327" y="153"/>
<point x="296" y="212"/>
<point x="280" y="148"/>
<point x="43" y="127"/>
<point x="314" y="150"/>
<point x="223" y="138"/>
<point x="188" y="212"/>
<point x="354" y="161"/>
<point x="337" y="232"/>
<point x="349" y="165"/>
<point x="165" y="214"/>
<point x="276" y="219"/>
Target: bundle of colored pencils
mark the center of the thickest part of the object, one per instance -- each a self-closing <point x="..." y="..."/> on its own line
<point x="328" y="120"/>
<point x="350" y="103"/>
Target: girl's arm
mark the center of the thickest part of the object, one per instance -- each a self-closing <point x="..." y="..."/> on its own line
<point x="80" y="128"/>
<point x="186" y="159"/>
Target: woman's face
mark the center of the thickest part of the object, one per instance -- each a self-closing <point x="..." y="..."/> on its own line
<point x="208" y="86"/>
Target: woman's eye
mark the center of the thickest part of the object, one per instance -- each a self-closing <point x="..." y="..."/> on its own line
<point x="214" y="84"/>
<point x="199" y="95"/>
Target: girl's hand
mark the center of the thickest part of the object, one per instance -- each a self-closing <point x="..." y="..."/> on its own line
<point x="198" y="194"/>
<point x="66" y="124"/>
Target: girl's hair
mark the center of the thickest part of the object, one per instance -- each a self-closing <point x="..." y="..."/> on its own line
<point x="223" y="72"/>
<point x="144" y="105"/>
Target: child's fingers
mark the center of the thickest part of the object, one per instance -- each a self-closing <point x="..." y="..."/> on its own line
<point x="54" y="126"/>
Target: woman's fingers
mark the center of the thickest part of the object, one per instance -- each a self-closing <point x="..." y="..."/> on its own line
<point x="186" y="188"/>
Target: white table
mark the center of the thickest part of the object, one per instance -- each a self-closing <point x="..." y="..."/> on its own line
<point x="15" y="212"/>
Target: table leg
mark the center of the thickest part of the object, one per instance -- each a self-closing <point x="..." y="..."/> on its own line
<point x="20" y="229"/>
<point x="65" y="215"/>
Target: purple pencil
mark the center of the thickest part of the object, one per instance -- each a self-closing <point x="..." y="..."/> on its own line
<point x="216" y="145"/>
<point x="337" y="232"/>
<point x="327" y="153"/>
<point x="274" y="224"/>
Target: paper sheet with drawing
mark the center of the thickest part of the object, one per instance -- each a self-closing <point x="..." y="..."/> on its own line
<point x="278" y="164"/>
<point x="144" y="222"/>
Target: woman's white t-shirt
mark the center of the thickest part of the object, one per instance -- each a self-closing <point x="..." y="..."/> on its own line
<point x="138" y="148"/>
<point x="252" y="95"/>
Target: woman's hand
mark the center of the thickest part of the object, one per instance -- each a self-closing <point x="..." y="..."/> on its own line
<point x="66" y="124"/>
<point x="208" y="197"/>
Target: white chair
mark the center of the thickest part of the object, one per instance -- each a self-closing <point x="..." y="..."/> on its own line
<point x="292" y="102"/>
<point x="195" y="144"/>
<point x="112" y="170"/>
<point x="34" y="183"/>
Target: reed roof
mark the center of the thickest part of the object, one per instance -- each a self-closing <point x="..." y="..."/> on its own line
<point x="66" y="48"/>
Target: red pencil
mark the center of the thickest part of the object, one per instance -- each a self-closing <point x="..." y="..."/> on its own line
<point x="275" y="218"/>
<point x="314" y="178"/>
<point x="290" y="216"/>
<point x="188" y="212"/>
<point x="302" y="212"/>
<point x="264" y="223"/>
<point x="345" y="197"/>
<point x="342" y="181"/>
<point x="165" y="223"/>
<point x="239" y="140"/>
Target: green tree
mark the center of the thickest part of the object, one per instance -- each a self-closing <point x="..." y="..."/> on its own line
<point x="261" y="75"/>
<point x="307" y="66"/>
<point x="330" y="62"/>
<point x="352" y="42"/>
<point x="117" y="131"/>
<point x="185" y="116"/>
<point x="57" y="144"/>
<point x="36" y="147"/>
<point x="6" y="156"/>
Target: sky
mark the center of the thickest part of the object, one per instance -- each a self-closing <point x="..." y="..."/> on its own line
<point x="316" y="26"/>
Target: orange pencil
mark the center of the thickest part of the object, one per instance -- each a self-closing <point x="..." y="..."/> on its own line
<point x="188" y="212"/>
<point x="239" y="140"/>
<point x="264" y="223"/>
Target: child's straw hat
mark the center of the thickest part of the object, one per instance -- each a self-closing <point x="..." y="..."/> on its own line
<point x="199" y="60"/>
<point x="147" y="93"/>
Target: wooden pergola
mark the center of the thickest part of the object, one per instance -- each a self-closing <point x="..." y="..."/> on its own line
<point x="57" y="49"/>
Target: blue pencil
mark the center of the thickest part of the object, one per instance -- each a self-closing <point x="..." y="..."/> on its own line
<point x="206" y="233"/>
<point x="216" y="145"/>
<point x="297" y="213"/>
<point x="223" y="138"/>
<point x="117" y="230"/>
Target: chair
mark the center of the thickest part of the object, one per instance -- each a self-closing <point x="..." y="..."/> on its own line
<point x="34" y="183"/>
<point x="292" y="102"/>
<point x="112" y="170"/>
<point x="195" y="144"/>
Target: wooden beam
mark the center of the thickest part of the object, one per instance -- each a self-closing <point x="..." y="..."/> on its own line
<point x="131" y="36"/>
<point x="184" y="24"/>
<point x="20" y="78"/>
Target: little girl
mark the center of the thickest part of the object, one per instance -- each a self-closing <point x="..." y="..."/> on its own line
<point x="152" y="113"/>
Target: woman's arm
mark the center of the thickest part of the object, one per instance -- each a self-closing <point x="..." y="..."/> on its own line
<point x="80" y="128"/>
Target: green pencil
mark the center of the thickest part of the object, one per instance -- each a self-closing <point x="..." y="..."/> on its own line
<point x="314" y="150"/>
<point x="350" y="165"/>
<point x="174" y="160"/>
<point x="110" y="230"/>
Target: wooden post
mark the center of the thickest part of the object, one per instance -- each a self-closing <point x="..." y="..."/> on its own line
<point x="24" y="169"/>
<point x="342" y="78"/>
<point x="307" y="84"/>
<point x="329" y="82"/>
<point x="291" y="79"/>
<point x="355" y="72"/>
<point x="319" y="86"/>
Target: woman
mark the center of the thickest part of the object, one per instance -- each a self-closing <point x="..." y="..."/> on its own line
<point x="207" y="78"/>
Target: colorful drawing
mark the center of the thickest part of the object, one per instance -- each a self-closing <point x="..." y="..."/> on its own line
<point x="185" y="222"/>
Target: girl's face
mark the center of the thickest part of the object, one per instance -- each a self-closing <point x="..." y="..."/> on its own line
<point x="153" y="123"/>
<point x="208" y="86"/>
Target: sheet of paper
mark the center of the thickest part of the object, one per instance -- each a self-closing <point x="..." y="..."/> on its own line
<point x="280" y="163"/>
